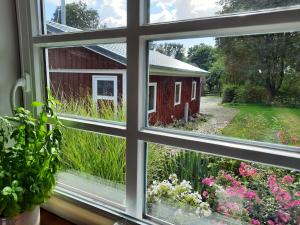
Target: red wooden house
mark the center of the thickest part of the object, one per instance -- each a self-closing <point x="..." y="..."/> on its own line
<point x="100" y="71"/>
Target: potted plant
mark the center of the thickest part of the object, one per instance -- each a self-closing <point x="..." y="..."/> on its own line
<point x="29" y="160"/>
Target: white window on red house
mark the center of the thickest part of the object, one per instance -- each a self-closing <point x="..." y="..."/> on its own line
<point x="194" y="90"/>
<point x="177" y="96"/>
<point x="152" y="97"/>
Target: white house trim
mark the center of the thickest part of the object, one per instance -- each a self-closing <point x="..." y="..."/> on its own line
<point x="180" y="85"/>
<point x="96" y="97"/>
<point x="194" y="90"/>
<point x="153" y="84"/>
<point x="105" y="71"/>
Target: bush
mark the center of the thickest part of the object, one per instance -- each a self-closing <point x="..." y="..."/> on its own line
<point x="229" y="93"/>
<point x="250" y="94"/>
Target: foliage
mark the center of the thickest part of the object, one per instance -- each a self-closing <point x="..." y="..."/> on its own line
<point x="256" y="194"/>
<point x="250" y="94"/>
<point x="174" y="50"/>
<point x="29" y="156"/>
<point x="229" y="93"/>
<point x="214" y="79"/>
<point x="202" y="55"/>
<point x="78" y="16"/>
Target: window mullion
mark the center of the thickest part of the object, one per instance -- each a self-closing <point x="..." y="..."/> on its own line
<point x="136" y="68"/>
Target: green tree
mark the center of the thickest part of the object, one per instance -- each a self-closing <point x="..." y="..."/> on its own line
<point x="202" y="55"/>
<point x="78" y="15"/>
<point x="174" y="50"/>
<point x="262" y="60"/>
<point x="216" y="72"/>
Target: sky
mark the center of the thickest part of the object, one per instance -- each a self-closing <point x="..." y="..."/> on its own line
<point x="113" y="13"/>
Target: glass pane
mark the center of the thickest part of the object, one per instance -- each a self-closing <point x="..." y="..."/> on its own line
<point x="172" y="10"/>
<point x="94" y="164"/>
<point x="186" y="187"/>
<point x="84" y="79"/>
<point x="79" y="15"/>
<point x="151" y="98"/>
<point x="105" y="88"/>
<point x="247" y="87"/>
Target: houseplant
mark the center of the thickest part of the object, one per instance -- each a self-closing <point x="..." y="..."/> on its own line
<point x="29" y="160"/>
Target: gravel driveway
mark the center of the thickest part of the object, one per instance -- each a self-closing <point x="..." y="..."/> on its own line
<point x="219" y="116"/>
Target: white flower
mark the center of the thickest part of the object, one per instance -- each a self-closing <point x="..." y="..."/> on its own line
<point x="173" y="178"/>
<point x="205" y="209"/>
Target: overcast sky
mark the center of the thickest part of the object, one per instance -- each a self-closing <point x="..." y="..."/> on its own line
<point x="113" y="12"/>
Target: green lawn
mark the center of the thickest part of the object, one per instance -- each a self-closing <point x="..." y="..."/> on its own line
<point x="262" y="123"/>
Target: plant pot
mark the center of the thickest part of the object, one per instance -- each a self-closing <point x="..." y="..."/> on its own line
<point x="26" y="218"/>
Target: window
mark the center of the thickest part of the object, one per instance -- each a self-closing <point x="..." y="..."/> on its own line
<point x="152" y="97"/>
<point x="239" y="152"/>
<point x="105" y="88"/>
<point x="194" y="90"/>
<point x="177" y="93"/>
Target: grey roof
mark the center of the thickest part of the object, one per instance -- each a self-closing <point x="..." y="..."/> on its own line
<point x="117" y="51"/>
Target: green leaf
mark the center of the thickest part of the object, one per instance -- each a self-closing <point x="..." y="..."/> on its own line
<point x="15" y="196"/>
<point x="37" y="104"/>
<point x="7" y="190"/>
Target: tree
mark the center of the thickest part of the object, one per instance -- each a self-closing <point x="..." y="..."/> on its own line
<point x="78" y="16"/>
<point x="202" y="55"/>
<point x="170" y="49"/>
<point x="262" y="60"/>
<point x="216" y="72"/>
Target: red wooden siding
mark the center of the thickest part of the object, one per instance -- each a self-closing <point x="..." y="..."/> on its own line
<point x="80" y="84"/>
<point x="166" y="112"/>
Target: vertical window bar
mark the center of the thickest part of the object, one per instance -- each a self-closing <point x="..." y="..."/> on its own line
<point x="136" y="70"/>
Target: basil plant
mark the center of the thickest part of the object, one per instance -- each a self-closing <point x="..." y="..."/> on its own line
<point x="29" y="158"/>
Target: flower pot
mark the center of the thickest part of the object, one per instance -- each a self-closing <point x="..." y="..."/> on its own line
<point x="26" y="218"/>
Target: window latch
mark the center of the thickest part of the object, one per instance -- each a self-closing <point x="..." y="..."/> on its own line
<point x="25" y="84"/>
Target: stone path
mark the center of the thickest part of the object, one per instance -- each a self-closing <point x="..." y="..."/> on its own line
<point x="219" y="116"/>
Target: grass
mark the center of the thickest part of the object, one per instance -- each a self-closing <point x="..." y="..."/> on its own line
<point x="263" y="123"/>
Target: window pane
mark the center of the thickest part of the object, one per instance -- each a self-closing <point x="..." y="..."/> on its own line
<point x="247" y="87"/>
<point x="78" y="15"/>
<point x="171" y="10"/>
<point x="151" y="98"/>
<point x="90" y="81"/>
<point x="94" y="164"/>
<point x="186" y="187"/>
<point x="105" y="88"/>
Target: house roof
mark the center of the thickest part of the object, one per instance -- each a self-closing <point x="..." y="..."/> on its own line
<point x="160" y="64"/>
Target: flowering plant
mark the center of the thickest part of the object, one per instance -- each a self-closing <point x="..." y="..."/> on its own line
<point x="177" y="195"/>
<point x="254" y="195"/>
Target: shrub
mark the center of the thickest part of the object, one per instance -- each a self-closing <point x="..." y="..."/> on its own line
<point x="229" y="92"/>
<point x="250" y="94"/>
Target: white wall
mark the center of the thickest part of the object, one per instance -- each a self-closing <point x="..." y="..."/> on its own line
<point x="9" y="53"/>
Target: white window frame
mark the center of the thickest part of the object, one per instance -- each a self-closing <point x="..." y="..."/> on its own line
<point x="97" y="97"/>
<point x="175" y="87"/>
<point x="152" y="84"/>
<point x="194" y="90"/>
<point x="137" y="33"/>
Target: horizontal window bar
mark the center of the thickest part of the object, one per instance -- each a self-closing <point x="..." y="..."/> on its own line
<point x="110" y="128"/>
<point x="262" y="22"/>
<point x="82" y="38"/>
<point x="263" y="154"/>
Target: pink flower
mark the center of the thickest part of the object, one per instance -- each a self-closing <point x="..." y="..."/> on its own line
<point x="283" y="196"/>
<point x="250" y="195"/>
<point x="270" y="222"/>
<point x="297" y="194"/>
<point x="272" y="183"/>
<point x="288" y="179"/>
<point x="284" y="216"/>
<point x="255" y="222"/>
<point x="292" y="204"/>
<point x="246" y="170"/>
<point x="205" y="194"/>
<point x="209" y="181"/>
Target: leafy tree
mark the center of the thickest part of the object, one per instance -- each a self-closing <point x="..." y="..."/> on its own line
<point x="202" y="55"/>
<point x="79" y="16"/>
<point x="262" y="60"/>
<point x="170" y="49"/>
<point x="216" y="72"/>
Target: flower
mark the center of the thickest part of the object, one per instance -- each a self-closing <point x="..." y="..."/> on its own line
<point x="284" y="216"/>
<point x="209" y="181"/>
<point x="205" y="194"/>
<point x="288" y="179"/>
<point x="292" y="204"/>
<point x="255" y="222"/>
<point x="297" y="194"/>
<point x="250" y="195"/>
<point x="246" y="170"/>
<point x="270" y="222"/>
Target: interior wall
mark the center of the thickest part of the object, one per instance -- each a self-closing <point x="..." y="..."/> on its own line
<point x="9" y="53"/>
